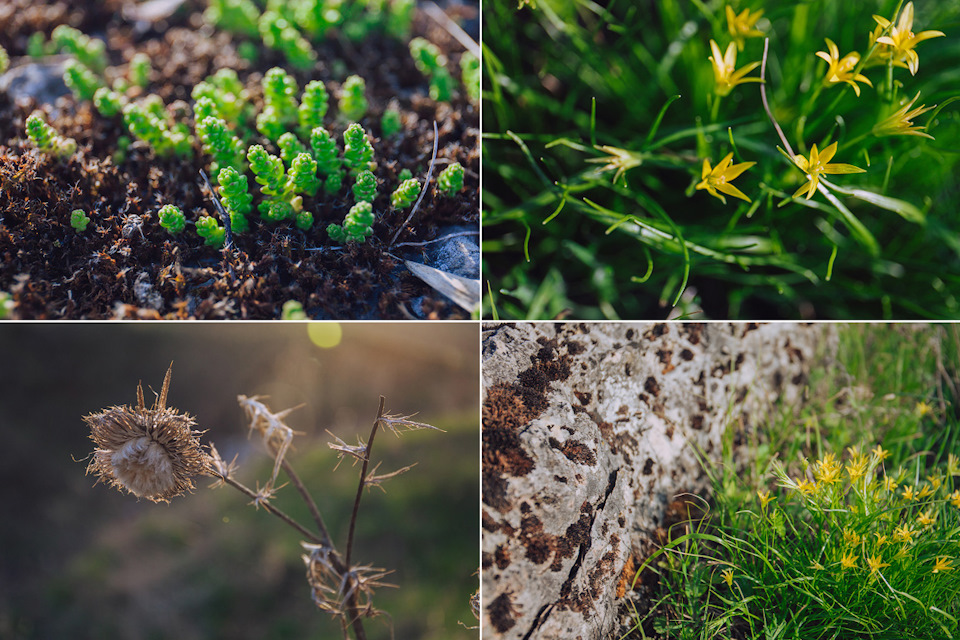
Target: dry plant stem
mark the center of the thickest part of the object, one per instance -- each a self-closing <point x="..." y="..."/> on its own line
<point x="435" y="12"/>
<point x="312" y="537"/>
<point x="763" y="97"/>
<point x="307" y="498"/>
<point x="423" y="192"/>
<point x="363" y="478"/>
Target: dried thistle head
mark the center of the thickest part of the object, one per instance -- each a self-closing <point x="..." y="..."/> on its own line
<point x="333" y="588"/>
<point x="152" y="453"/>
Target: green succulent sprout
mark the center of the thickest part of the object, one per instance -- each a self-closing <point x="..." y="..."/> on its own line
<point x="357" y="150"/>
<point x="324" y="149"/>
<point x="302" y="177"/>
<point x="313" y="107"/>
<point x="432" y="63"/>
<point x="120" y="154"/>
<point x="280" y="35"/>
<point x="353" y="102"/>
<point x="235" y="198"/>
<point x="400" y="18"/>
<point x="390" y="123"/>
<point x="292" y="310"/>
<point x="267" y="169"/>
<point x="290" y="147"/>
<point x="276" y="210"/>
<point x="224" y="91"/>
<point x="140" y="69"/>
<point x="36" y="45"/>
<point x="365" y="188"/>
<point x="235" y="16"/>
<point x="88" y="51"/>
<point x="108" y="103"/>
<point x="212" y="233"/>
<point x="406" y="194"/>
<point x="450" y="180"/>
<point x="218" y="141"/>
<point x="205" y="108"/>
<point x="316" y="17"/>
<point x="280" y="110"/>
<point x="79" y="220"/>
<point x="405" y="174"/>
<point x="81" y="80"/>
<point x="357" y="225"/>
<point x="4" y="60"/>
<point x="470" y="75"/>
<point x="46" y="137"/>
<point x="146" y="122"/>
<point x="172" y="219"/>
<point x="304" y="220"/>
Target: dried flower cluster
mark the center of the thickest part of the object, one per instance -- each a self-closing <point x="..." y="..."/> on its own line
<point x="152" y="453"/>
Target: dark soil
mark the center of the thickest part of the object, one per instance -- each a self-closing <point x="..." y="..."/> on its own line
<point x="122" y="267"/>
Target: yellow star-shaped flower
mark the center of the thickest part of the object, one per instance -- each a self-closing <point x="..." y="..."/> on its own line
<point x="901" y="39"/>
<point x="876" y="563"/>
<point x="841" y="69"/>
<point x="848" y="561"/>
<point x="899" y="123"/>
<point x="719" y="178"/>
<point x="942" y="564"/>
<point x="817" y="164"/>
<point x="743" y="25"/>
<point x="725" y="73"/>
<point x="880" y="453"/>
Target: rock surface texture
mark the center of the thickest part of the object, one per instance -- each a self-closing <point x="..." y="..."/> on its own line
<point x="589" y="431"/>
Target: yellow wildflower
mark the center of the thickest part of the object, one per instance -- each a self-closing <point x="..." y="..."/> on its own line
<point x="903" y="533"/>
<point x="848" y="561"/>
<point x="876" y="563"/>
<point x="901" y="39"/>
<point x="806" y="487"/>
<point x="881" y="539"/>
<point x="935" y="482"/>
<point x="850" y="538"/>
<point x="923" y="409"/>
<point x="889" y="483"/>
<point x="955" y="499"/>
<point x="765" y="498"/>
<point x="743" y="26"/>
<point x="924" y="493"/>
<point x="841" y="69"/>
<point x="926" y="519"/>
<point x="827" y="470"/>
<point x="818" y="164"/>
<point x="857" y="468"/>
<point x="720" y="177"/>
<point x="953" y="465"/>
<point x="724" y="69"/>
<point x="942" y="564"/>
<point x="899" y="124"/>
<point x="908" y="493"/>
<point x="880" y="454"/>
<point x="728" y="576"/>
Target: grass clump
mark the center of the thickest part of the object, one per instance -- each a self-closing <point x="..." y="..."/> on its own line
<point x="605" y="144"/>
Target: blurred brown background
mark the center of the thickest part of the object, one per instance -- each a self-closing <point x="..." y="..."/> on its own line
<point x="84" y="561"/>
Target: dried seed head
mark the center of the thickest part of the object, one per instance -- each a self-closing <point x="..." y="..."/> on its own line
<point x="152" y="453"/>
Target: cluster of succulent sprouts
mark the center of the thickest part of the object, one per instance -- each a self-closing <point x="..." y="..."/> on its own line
<point x="156" y="453"/>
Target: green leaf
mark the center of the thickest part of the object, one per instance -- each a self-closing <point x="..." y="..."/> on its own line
<point x="906" y="210"/>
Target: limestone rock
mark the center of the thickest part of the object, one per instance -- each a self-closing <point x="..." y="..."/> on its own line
<point x="589" y="431"/>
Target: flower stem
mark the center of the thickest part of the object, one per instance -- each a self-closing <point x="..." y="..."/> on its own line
<point x="363" y="477"/>
<point x="308" y="499"/>
<point x="312" y="537"/>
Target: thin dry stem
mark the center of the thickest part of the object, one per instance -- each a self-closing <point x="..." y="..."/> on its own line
<point x="426" y="185"/>
<point x="363" y="477"/>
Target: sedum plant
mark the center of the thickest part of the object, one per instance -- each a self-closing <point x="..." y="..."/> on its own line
<point x="353" y="101"/>
<point x="90" y="52"/>
<point x="4" y="60"/>
<point x="172" y="219"/>
<point x="365" y="187"/>
<point x="210" y="230"/>
<point x="279" y="34"/>
<point x="235" y="16"/>
<point x="155" y="453"/>
<point x="225" y="95"/>
<point x="235" y="198"/>
<point x="470" y="75"/>
<point x="313" y="107"/>
<point x="282" y="190"/>
<point x="357" y="150"/>
<point x="79" y="220"/>
<point x="357" y="225"/>
<point x="450" y="180"/>
<point x="290" y="147"/>
<point x="147" y="121"/>
<point x="390" y="122"/>
<point x="280" y="104"/>
<point x="109" y="103"/>
<point x="324" y="149"/>
<point x="83" y="82"/>
<point x="46" y="137"/>
<point x="140" y="70"/>
<point x="218" y="141"/>
<point x="433" y="64"/>
<point x="406" y="194"/>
